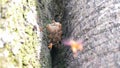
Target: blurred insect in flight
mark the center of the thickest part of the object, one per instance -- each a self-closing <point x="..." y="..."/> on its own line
<point x="75" y="46"/>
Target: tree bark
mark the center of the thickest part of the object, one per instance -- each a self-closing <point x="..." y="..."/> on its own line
<point x="21" y="42"/>
<point x="97" y="24"/>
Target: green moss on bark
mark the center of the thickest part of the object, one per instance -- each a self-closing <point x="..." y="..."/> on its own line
<point x="18" y="40"/>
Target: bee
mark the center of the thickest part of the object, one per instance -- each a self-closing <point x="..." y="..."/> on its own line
<point x="50" y="45"/>
<point x="55" y="31"/>
<point x="75" y="46"/>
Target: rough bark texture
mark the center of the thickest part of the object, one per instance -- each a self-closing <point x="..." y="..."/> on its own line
<point x="45" y="18"/>
<point x="50" y="9"/>
<point x="97" y="24"/>
<point x="22" y="44"/>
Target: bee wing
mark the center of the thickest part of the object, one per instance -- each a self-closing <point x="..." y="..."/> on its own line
<point x="66" y="42"/>
<point x="79" y="42"/>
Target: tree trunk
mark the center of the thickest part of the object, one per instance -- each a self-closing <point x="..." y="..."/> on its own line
<point x="97" y="24"/>
<point x="21" y="42"/>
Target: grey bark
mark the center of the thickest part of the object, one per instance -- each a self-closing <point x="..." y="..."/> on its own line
<point x="97" y="24"/>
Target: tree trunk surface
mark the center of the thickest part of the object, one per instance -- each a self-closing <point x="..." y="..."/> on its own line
<point x="22" y="44"/>
<point x="97" y="24"/>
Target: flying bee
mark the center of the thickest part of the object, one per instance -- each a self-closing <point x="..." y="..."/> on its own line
<point x="75" y="46"/>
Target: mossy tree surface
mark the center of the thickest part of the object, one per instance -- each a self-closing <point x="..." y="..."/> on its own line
<point x="19" y="34"/>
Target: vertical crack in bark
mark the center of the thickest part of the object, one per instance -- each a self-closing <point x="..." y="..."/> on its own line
<point x="57" y="53"/>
